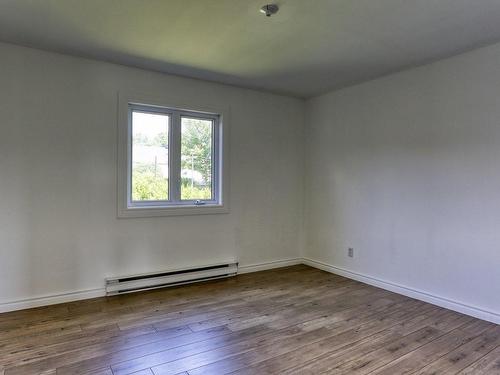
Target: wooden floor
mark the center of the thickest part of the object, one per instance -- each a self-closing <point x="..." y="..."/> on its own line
<point x="295" y="320"/>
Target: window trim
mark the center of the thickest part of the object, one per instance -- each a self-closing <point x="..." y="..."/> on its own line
<point x="127" y="208"/>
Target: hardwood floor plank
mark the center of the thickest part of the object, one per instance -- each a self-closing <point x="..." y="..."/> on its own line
<point x="442" y="351"/>
<point x="465" y="355"/>
<point x="271" y="335"/>
<point x="313" y="358"/>
<point x="106" y="371"/>
<point x="148" y="372"/>
<point x="97" y="356"/>
<point x="160" y="358"/>
<point x="234" y="358"/>
<point x="91" y="341"/>
<point x="377" y="358"/>
<point x="9" y="336"/>
<point x="295" y="320"/>
<point x="488" y="364"/>
<point x="331" y="362"/>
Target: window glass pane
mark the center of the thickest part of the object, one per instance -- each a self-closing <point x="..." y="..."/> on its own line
<point x="149" y="156"/>
<point x="196" y="158"/>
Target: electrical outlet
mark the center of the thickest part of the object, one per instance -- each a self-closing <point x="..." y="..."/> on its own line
<point x="350" y="252"/>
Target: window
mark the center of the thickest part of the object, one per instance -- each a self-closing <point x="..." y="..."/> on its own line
<point x="170" y="161"/>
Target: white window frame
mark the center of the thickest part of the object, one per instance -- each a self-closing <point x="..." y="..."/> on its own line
<point x="174" y="206"/>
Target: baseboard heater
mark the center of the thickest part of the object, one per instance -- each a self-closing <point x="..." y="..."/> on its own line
<point x="163" y="279"/>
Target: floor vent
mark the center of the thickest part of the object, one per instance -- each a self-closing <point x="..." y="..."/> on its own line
<point x="135" y="283"/>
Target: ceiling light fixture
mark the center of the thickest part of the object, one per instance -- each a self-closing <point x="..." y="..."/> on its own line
<point x="269" y="9"/>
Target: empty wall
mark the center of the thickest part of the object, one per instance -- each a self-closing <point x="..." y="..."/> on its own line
<point x="58" y="227"/>
<point x="406" y="170"/>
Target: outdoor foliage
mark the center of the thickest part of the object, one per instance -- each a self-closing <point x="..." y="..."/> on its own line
<point x="197" y="147"/>
<point x="195" y="192"/>
<point x="149" y="183"/>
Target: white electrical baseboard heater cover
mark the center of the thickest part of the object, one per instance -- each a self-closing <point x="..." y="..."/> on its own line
<point x="162" y="279"/>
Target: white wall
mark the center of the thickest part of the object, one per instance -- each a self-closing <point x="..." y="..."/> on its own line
<point x="58" y="227"/>
<point x="406" y="169"/>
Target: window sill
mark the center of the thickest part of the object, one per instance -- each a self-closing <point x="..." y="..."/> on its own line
<point x="132" y="212"/>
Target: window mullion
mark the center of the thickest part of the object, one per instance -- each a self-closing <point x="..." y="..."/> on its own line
<point x="175" y="157"/>
<point x="215" y="160"/>
<point x="129" y="157"/>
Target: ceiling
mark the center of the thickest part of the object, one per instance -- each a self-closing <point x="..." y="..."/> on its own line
<point x="308" y="48"/>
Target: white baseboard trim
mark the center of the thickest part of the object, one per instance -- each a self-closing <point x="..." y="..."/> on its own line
<point x="460" y="307"/>
<point x="53" y="299"/>
<point x="387" y="285"/>
<point x="269" y="265"/>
